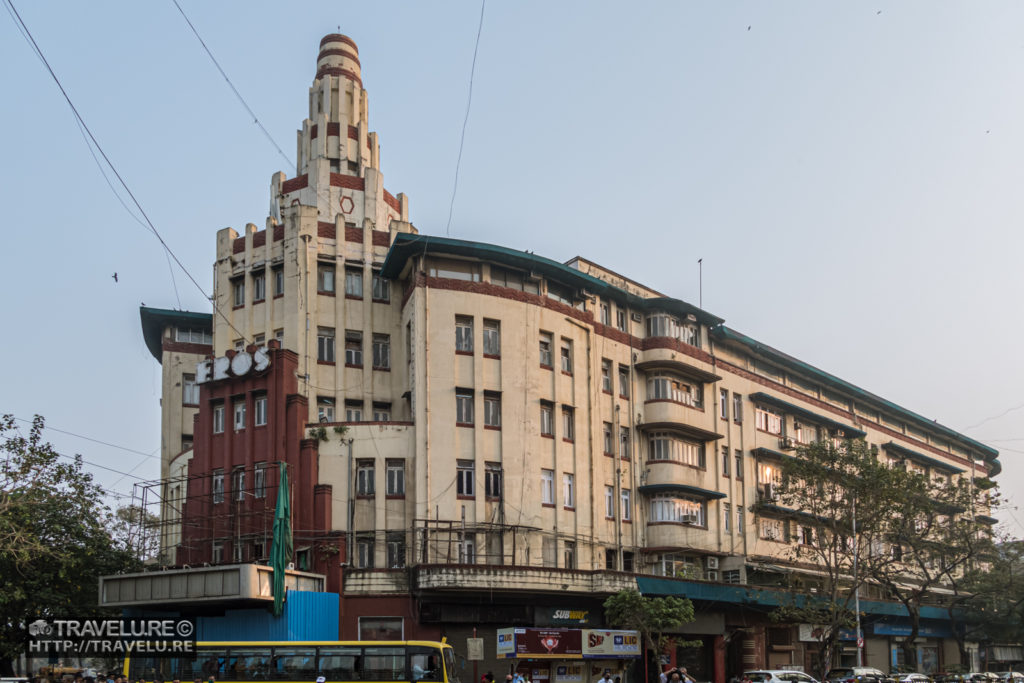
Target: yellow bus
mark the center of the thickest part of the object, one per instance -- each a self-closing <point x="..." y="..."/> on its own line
<point x="391" y="661"/>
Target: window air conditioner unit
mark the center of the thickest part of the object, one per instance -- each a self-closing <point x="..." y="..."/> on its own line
<point x="689" y="519"/>
<point x="711" y="562"/>
<point x="711" y="575"/>
<point x="787" y="443"/>
<point x="769" y="492"/>
<point x="636" y="317"/>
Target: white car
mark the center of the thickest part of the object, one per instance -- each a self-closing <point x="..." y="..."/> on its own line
<point x="779" y="676"/>
<point x="1011" y="676"/>
<point x="913" y="678"/>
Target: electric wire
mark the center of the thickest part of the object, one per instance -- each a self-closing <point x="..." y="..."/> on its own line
<point x="149" y="223"/>
<point x="87" y="438"/>
<point x="465" y="121"/>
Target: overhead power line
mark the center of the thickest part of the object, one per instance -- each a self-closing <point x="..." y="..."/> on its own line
<point x="87" y="438"/>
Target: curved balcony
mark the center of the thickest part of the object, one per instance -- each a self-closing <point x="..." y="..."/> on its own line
<point x="671" y="537"/>
<point x="672" y="472"/>
<point x="665" y="353"/>
<point x="676" y="416"/>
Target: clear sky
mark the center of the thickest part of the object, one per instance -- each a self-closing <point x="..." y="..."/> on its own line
<point x="848" y="172"/>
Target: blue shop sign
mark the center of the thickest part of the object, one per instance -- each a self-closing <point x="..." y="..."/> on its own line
<point x="902" y="629"/>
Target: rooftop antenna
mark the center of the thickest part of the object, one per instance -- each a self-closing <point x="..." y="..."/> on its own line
<point x="700" y="283"/>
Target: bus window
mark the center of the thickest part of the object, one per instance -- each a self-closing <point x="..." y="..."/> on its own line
<point x="294" y="664"/>
<point x="212" y="663"/>
<point x="248" y="664"/>
<point x="384" y="664"/>
<point x="340" y="664"/>
<point x="424" y="664"/>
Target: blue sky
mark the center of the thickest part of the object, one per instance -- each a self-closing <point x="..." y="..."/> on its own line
<point x="848" y="172"/>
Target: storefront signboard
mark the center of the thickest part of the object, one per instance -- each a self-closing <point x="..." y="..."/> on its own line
<point x="506" y="642"/>
<point x="568" y="673"/>
<point x="614" y="644"/>
<point x="564" y="616"/>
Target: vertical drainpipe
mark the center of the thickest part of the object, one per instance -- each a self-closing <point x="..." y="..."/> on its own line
<point x="426" y="394"/>
<point x="351" y="507"/>
<point x="588" y="330"/>
<point x="634" y="453"/>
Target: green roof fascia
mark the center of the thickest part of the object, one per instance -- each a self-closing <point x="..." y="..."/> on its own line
<point x="680" y="488"/>
<point x="761" y="397"/>
<point x="727" y="333"/>
<point x="767" y="452"/>
<point x="155" y="320"/>
<point x="407" y="245"/>
<point x="914" y="455"/>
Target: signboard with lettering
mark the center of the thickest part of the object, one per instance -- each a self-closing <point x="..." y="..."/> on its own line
<point x="238" y="365"/>
<point x="564" y="616"/>
<point x="506" y="642"/>
<point x="475" y="649"/>
<point x="599" y="643"/>
<point x="568" y="673"/>
<point x="566" y="643"/>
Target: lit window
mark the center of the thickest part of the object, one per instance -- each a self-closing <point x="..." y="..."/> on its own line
<point x="354" y="283"/>
<point x="464" y="478"/>
<point x="396" y="478"/>
<point x="260" y="408"/>
<point x="239" y="413"/>
<point x="547" y="487"/>
<point x="325" y="344"/>
<point x="354" y="348"/>
<point x="189" y="390"/>
<point x="365" y="478"/>
<point x="259" y="287"/>
<point x="568" y="490"/>
<point x="463" y="334"/>
<point x="218" y="418"/>
<point x="464" y="406"/>
<point x="325" y="279"/>
<point x="382" y="351"/>
<point x="492" y="337"/>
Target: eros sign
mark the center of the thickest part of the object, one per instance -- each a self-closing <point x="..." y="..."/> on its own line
<point x="239" y="365"/>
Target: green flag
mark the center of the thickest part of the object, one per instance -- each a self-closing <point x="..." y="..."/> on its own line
<point x="281" y="546"/>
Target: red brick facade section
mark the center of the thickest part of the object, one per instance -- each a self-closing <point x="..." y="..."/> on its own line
<point x="353" y="234"/>
<point x="278" y="233"/>
<point x="326" y="230"/>
<point x="334" y="51"/>
<point x="353" y="132"/>
<point x="338" y="38"/>
<point x="294" y="184"/>
<point x="332" y="129"/>
<point x="350" y="182"/>
<point x="259" y="239"/>
<point x="338" y="71"/>
<point x="238" y="246"/>
<point x="381" y="238"/>
<point x="391" y="201"/>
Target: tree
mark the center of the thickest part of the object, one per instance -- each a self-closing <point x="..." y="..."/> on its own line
<point x="134" y="530"/>
<point x="651" y="617"/>
<point x="817" y="492"/>
<point x="54" y="538"/>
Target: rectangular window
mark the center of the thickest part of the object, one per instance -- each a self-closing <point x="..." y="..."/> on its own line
<point x="739" y="465"/>
<point x="623" y="381"/>
<point x="325" y="279"/>
<point x="547" y="487"/>
<point x="218" y="418"/>
<point x="609" y="501"/>
<point x="279" y="336"/>
<point x="259" y="287"/>
<point x="354" y="348"/>
<point x="239" y="413"/>
<point x="259" y="482"/>
<point x="218" y="486"/>
<point x="767" y="420"/>
<point x="260" y="408"/>
<point x="381" y="412"/>
<point x="609" y="559"/>
<point x="606" y="313"/>
<point x="807" y="535"/>
<point x="278" y="275"/>
<point x="723" y="404"/>
<point x="546" y="343"/>
<point x="805" y="433"/>
<point x="467" y="548"/>
<point x="624" y="442"/>
<point x="569" y="555"/>
<point x="606" y="375"/>
<point x="767" y="473"/>
<point x="620" y="319"/>
<point x="381" y="289"/>
<point x="238" y="483"/>
<point x="668" y="446"/>
<point x="492" y="409"/>
<point x="565" y="353"/>
<point x="771" y="529"/>
<point x="546" y="419"/>
<point x="725" y="461"/>
<point x="325" y="409"/>
<point x="627" y="561"/>
<point x="239" y="345"/>
<point x="192" y="336"/>
<point x="259" y="340"/>
<point x="354" y="283"/>
<point x="325" y="344"/>
<point x="627" y="505"/>
<point x="492" y="337"/>
<point x="238" y="292"/>
<point x="739" y="518"/>
<point x="396" y="478"/>
<point x="726" y="514"/>
<point x="463" y="334"/>
<point x="609" y="444"/>
<point x="396" y="549"/>
<point x="464" y="478"/>
<point x="492" y="480"/>
<point x="669" y="508"/>
<point x="365" y="478"/>
<point x="217" y="553"/>
<point x="464" y="406"/>
<point x="568" y="490"/>
<point x="364" y="551"/>
<point x="568" y="424"/>
<point x="382" y="351"/>
<point x="189" y="390"/>
<point x="737" y="408"/>
<point x="353" y="411"/>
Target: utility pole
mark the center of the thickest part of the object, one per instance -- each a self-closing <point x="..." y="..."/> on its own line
<point x="856" y="587"/>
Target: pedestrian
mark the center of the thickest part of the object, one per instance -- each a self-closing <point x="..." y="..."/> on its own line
<point x="685" y="676"/>
<point x="606" y="677"/>
<point x="675" y="676"/>
<point x="663" y="676"/>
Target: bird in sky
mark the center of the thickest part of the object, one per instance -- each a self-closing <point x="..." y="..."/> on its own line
<point x="114" y="276"/>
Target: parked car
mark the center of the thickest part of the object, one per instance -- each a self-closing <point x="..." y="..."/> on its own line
<point x="779" y="676"/>
<point x="1011" y="676"/>
<point x="858" y="674"/>
<point x="912" y="678"/>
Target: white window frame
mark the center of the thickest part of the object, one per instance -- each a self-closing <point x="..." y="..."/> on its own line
<point x="354" y="348"/>
<point x="606" y="375"/>
<point x="238" y="291"/>
<point x="366" y="475"/>
<point x="259" y="287"/>
<point x="382" y="351"/>
<point x="547" y="487"/>
<point x="625" y="498"/>
<point x="395" y="478"/>
<point x="565" y="355"/>
<point x="609" y="501"/>
<point x="278" y="274"/>
<point x="325" y="344"/>
<point x="492" y="337"/>
<point x="238" y="415"/>
<point x="325" y="278"/>
<point x="493" y="480"/>
<point x="464" y="400"/>
<point x="218" y="418"/>
<point x="768" y="420"/>
<point x="189" y="390"/>
<point x="492" y="410"/>
<point x="546" y="343"/>
<point x="217" y="486"/>
<point x="354" y="283"/>
<point x="547" y="418"/>
<point x="325" y="409"/>
<point x="465" y="472"/>
<point x="464" y="333"/>
<point x="568" y="490"/>
<point x="238" y="483"/>
<point x="568" y="424"/>
<point x="381" y="288"/>
<point x="260" y="411"/>
<point x="259" y="481"/>
<point x="353" y="412"/>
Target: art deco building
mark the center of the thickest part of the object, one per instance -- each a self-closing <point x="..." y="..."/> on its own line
<point x="484" y="437"/>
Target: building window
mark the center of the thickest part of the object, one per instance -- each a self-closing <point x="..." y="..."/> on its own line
<point x="668" y="387"/>
<point x="620" y="319"/>
<point x="381" y="289"/>
<point x="568" y="490"/>
<point x="565" y="353"/>
<point x="807" y="535"/>
<point x="609" y="559"/>
<point x="192" y="336"/>
<point x="767" y="473"/>
<point x="606" y="375"/>
<point x="667" y="326"/>
<point x="325" y="344"/>
<point x="624" y="441"/>
<point x="725" y="461"/>
<point x="667" y="508"/>
<point x="238" y="292"/>
<point x="609" y="501"/>
<point x="464" y="406"/>
<point x="217" y="553"/>
<point x="218" y="486"/>
<point x="771" y="529"/>
<point x="259" y="340"/>
<point x="768" y="420"/>
<point x="569" y="555"/>
<point x="239" y="413"/>
<point x="354" y="283"/>
<point x="186" y="442"/>
<point x="381" y="412"/>
<point x="325" y="409"/>
<point x="396" y="549"/>
<point x="723" y="404"/>
<point x="492" y="409"/>
<point x="623" y="381"/>
<point x="492" y="338"/>
<point x="606" y="313"/>
<point x="382" y="351"/>
<point x="739" y="519"/>
<point x="627" y="505"/>
<point x="805" y="433"/>
<point x="546" y="343"/>
<point x="259" y="481"/>
<point x="238" y="483"/>
<point x="259" y="287"/>
<point x="739" y="465"/>
<point x="737" y="408"/>
<point x="547" y="487"/>
<point x="354" y="348"/>
<point x="189" y="390"/>
<point x="609" y="444"/>
<point x="365" y="478"/>
<point x="396" y="478"/>
<point x="464" y="478"/>
<point x="463" y="334"/>
<point x="568" y="424"/>
<point x="726" y="514"/>
<point x="627" y="561"/>
<point x="467" y="548"/>
<point x="279" y="336"/>
<point x="492" y="480"/>
<point x="325" y="279"/>
<point x="546" y="419"/>
<point x="364" y="551"/>
<point x="218" y="418"/>
<point x="260" y="408"/>
<point x="278" y="275"/>
<point x="239" y="345"/>
<point x="353" y="411"/>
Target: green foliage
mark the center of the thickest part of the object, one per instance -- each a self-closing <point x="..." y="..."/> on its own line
<point x="318" y="433"/>
<point x="652" y="617"/>
<point x="341" y="429"/>
<point x="55" y="540"/>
